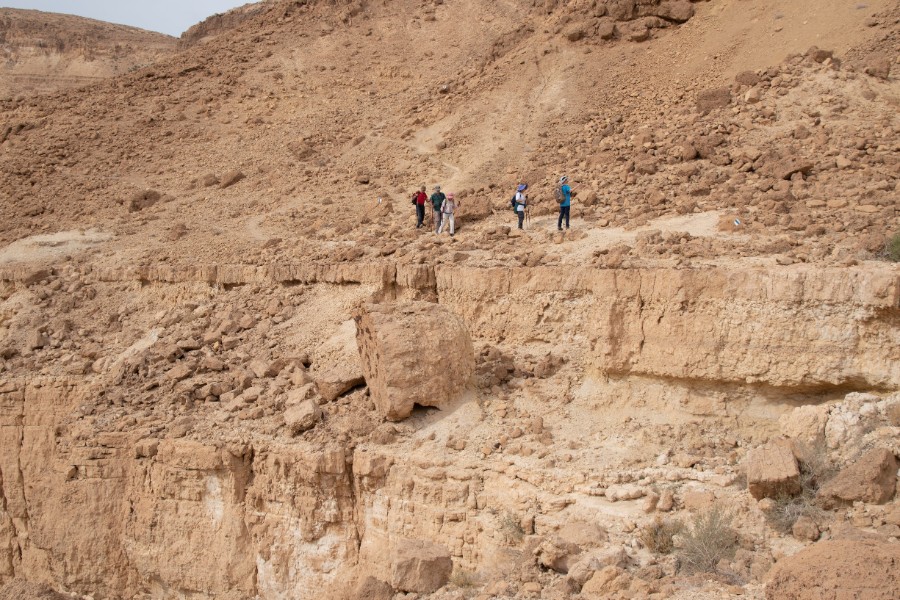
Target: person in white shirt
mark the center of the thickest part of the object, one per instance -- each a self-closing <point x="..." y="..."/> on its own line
<point x="521" y="202"/>
<point x="448" y="210"/>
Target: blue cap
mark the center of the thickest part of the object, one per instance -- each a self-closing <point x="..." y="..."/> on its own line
<point x="522" y="187"/>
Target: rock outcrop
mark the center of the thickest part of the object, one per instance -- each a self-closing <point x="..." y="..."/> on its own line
<point x="414" y="353"/>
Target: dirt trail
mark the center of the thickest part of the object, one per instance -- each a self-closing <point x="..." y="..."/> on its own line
<point x="51" y="247"/>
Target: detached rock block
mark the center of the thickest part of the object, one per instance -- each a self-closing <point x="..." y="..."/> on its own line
<point x="712" y="99"/>
<point x="772" y="470"/>
<point x="414" y="353"/>
<point x="338" y="381"/>
<point x="302" y="416"/>
<point x="557" y="554"/>
<point x="675" y="10"/>
<point x="420" y="567"/>
<point x="230" y="178"/>
<point x="371" y="588"/>
<point x="871" y="479"/>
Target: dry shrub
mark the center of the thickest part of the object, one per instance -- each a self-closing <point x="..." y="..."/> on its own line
<point x="710" y="540"/>
<point x="511" y="529"/>
<point x="657" y="536"/>
<point x="815" y="469"/>
<point x="464" y="579"/>
<point x="892" y="248"/>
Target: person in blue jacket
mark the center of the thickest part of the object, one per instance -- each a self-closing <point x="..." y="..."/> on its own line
<point x="566" y="204"/>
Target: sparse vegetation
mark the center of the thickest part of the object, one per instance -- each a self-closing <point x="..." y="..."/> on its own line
<point x="710" y="539"/>
<point x="464" y="579"/>
<point x="815" y="469"/>
<point x="511" y="529"/>
<point x="658" y="536"/>
<point x="892" y="248"/>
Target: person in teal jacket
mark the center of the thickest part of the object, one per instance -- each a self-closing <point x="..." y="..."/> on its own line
<point x="566" y="205"/>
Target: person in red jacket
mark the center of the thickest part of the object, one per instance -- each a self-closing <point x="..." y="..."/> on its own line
<point x="419" y="199"/>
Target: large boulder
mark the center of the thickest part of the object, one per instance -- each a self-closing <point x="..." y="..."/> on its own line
<point x="413" y="353"/>
<point x="420" y="566"/>
<point x="871" y="479"/>
<point x="772" y="471"/>
<point x="833" y="570"/>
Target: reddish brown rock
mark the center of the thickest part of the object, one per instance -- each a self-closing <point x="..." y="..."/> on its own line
<point x="871" y="479"/>
<point x="709" y="100"/>
<point x="835" y="570"/>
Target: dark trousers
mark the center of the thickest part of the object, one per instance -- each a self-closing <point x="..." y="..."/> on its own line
<point x="563" y="212"/>
<point x="420" y="215"/>
<point x="521" y="218"/>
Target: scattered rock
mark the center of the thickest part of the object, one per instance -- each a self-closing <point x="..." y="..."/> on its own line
<point x="806" y="529"/>
<point x="302" y="416"/>
<point x="230" y="178"/>
<point x="710" y="100"/>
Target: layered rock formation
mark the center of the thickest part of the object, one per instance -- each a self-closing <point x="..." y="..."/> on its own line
<point x="47" y="52"/>
<point x="217" y="315"/>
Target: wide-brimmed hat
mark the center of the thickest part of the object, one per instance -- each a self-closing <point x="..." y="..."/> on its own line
<point x="522" y="187"/>
<point x="564" y="179"/>
<point x="437" y="188"/>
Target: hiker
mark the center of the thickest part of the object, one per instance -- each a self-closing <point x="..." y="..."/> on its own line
<point x="521" y="202"/>
<point x="448" y="208"/>
<point x="564" y="197"/>
<point x="419" y="199"/>
<point x="437" y="199"/>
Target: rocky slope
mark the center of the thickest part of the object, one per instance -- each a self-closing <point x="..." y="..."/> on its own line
<point x="45" y="52"/>
<point x="225" y="345"/>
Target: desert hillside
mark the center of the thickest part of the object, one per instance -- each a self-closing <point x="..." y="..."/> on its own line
<point x="44" y="52"/>
<point x="225" y="344"/>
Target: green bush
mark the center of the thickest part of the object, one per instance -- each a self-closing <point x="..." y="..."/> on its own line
<point x="710" y="540"/>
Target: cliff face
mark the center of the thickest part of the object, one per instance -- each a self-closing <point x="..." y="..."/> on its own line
<point x="212" y="506"/>
<point x="797" y="329"/>
<point x="45" y="52"/>
<point x="203" y="260"/>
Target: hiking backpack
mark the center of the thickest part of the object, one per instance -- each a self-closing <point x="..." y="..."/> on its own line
<point x="513" y="202"/>
<point x="559" y="194"/>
